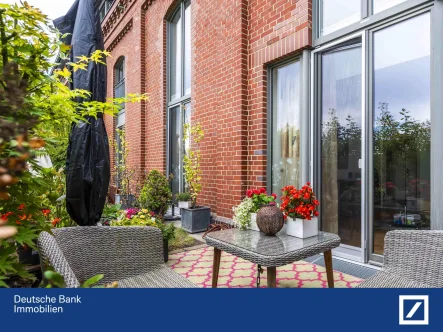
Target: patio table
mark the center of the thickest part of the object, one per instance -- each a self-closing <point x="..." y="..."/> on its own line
<point x="271" y="251"/>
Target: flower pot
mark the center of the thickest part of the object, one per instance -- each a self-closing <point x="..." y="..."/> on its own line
<point x="253" y="224"/>
<point x="196" y="220"/>
<point x="270" y="220"/>
<point x="184" y="204"/>
<point x="302" y="228"/>
<point x="165" y="250"/>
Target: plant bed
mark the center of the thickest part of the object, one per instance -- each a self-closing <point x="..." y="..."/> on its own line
<point x="196" y="220"/>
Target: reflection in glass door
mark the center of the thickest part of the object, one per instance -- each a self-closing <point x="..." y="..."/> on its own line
<point x="341" y="143"/>
<point x="175" y="144"/>
<point x="285" y="126"/>
<point x="401" y="128"/>
<point x="178" y="117"/>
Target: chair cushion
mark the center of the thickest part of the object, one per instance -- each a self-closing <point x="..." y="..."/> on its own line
<point x="160" y="277"/>
<point x="389" y="280"/>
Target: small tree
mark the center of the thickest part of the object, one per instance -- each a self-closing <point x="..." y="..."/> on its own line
<point x="128" y="180"/>
<point x="192" y="159"/>
<point x="156" y="193"/>
<point x="35" y="103"/>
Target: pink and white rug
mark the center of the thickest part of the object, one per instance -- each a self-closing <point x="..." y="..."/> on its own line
<point x="235" y="272"/>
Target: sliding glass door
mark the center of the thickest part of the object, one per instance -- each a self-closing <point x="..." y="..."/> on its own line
<point x="179" y="116"/>
<point x="371" y="150"/>
<point x="341" y="142"/>
<point x="401" y="128"/>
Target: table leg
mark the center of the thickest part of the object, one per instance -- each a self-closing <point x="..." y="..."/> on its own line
<point x="272" y="277"/>
<point x="329" y="271"/>
<point x="216" y="267"/>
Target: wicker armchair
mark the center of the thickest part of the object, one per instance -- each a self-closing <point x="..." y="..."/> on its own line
<point x="132" y="256"/>
<point x="413" y="259"/>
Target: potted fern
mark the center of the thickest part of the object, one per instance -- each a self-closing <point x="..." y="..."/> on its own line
<point x="184" y="200"/>
<point x="195" y="218"/>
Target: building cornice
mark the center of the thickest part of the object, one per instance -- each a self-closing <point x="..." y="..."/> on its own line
<point x="120" y="8"/>
<point x="120" y="36"/>
<point x="146" y="4"/>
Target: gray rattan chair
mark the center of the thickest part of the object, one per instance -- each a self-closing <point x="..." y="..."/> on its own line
<point x="413" y="259"/>
<point x="132" y="256"/>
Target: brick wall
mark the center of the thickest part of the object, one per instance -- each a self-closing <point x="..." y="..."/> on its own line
<point x="233" y="41"/>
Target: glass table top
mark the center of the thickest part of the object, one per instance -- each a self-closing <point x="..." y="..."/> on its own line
<point x="262" y="244"/>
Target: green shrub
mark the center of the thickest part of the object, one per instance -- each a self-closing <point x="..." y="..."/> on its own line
<point x="156" y="193"/>
<point x="183" y="197"/>
<point x="147" y="218"/>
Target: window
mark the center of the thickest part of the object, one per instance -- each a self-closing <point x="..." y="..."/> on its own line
<point x="401" y="127"/>
<point x="104" y="7"/>
<point x="119" y="91"/>
<point x="372" y="106"/>
<point x="336" y="14"/>
<point x="380" y="5"/>
<point x="341" y="121"/>
<point x="180" y="52"/>
<point x="179" y="91"/>
<point x="285" y="145"/>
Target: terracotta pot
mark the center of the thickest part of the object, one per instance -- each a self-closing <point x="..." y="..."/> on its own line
<point x="270" y="219"/>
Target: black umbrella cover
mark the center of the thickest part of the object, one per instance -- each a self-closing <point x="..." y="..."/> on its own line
<point x="88" y="164"/>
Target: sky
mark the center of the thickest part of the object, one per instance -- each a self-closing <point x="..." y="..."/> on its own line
<point x="52" y="8"/>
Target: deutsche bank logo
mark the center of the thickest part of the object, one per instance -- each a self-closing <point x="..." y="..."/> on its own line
<point x="414" y="309"/>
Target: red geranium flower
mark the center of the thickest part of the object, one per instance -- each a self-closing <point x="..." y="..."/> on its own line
<point x="22" y="206"/>
<point x="299" y="203"/>
<point x="55" y="221"/>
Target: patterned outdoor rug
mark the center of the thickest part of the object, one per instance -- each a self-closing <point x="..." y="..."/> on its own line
<point x="235" y="272"/>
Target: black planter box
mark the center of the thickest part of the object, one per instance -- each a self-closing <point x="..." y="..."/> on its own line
<point x="196" y="220"/>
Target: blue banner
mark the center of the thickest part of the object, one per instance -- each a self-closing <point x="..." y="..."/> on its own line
<point x="221" y="310"/>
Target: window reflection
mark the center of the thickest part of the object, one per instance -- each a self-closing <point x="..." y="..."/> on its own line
<point x="337" y="14"/>
<point x="286" y="127"/>
<point x="187" y="48"/>
<point x="402" y="128"/>
<point x="176" y="56"/>
<point x="341" y="144"/>
<point x="175" y="144"/>
<point x="380" y="5"/>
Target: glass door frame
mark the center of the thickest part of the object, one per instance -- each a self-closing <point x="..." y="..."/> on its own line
<point x="345" y="251"/>
<point x="182" y="110"/>
<point x="366" y="34"/>
<point x="372" y="257"/>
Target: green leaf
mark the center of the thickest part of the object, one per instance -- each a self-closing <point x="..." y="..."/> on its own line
<point x="92" y="281"/>
<point x="55" y="279"/>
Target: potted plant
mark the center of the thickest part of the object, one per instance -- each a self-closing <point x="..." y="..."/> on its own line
<point x="156" y="193"/>
<point x="245" y="214"/>
<point x="184" y="200"/>
<point x="145" y="217"/>
<point x="300" y="209"/>
<point x="195" y="218"/>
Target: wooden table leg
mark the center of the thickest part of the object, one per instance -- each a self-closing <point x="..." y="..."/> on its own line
<point x="216" y="267"/>
<point x="272" y="277"/>
<point x="329" y="271"/>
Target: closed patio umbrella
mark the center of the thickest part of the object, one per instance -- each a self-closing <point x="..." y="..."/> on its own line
<point x="87" y="164"/>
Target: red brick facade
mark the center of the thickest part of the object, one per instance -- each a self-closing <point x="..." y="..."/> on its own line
<point x="233" y="42"/>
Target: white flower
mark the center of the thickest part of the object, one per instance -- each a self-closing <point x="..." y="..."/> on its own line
<point x="242" y="213"/>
